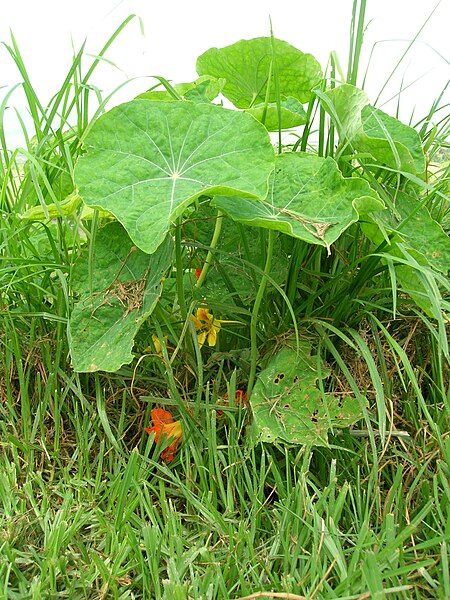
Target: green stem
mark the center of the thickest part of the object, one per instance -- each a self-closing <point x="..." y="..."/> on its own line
<point x="267" y="96"/>
<point x="255" y="313"/>
<point x="212" y="247"/>
<point x="198" y="356"/>
<point x="180" y="272"/>
<point x="93" y="233"/>
<point x="167" y="371"/>
<point x="297" y="257"/>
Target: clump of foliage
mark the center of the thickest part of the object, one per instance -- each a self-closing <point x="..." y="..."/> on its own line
<point x="184" y="183"/>
<point x="285" y="296"/>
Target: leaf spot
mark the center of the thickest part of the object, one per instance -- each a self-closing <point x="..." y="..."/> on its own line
<point x="278" y="378"/>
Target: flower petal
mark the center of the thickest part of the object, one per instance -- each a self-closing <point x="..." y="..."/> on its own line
<point x="201" y="338"/>
<point x="197" y="324"/>
<point x="160" y="418"/>
<point x="164" y="425"/>
<point x="157" y="344"/>
<point x="204" y="315"/>
<point x="212" y="336"/>
<point x="161" y="415"/>
<point x="213" y="332"/>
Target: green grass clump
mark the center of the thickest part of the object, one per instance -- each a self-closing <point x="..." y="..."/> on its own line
<point x="87" y="507"/>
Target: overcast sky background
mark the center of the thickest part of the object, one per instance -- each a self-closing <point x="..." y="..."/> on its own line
<point x="175" y="33"/>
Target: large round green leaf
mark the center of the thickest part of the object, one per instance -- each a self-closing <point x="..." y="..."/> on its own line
<point x="246" y="67"/>
<point x="114" y="302"/>
<point x="309" y="199"/>
<point x="288" y="405"/>
<point x="369" y="130"/>
<point x="147" y="161"/>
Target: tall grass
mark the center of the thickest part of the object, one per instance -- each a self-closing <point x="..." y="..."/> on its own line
<point x="87" y="509"/>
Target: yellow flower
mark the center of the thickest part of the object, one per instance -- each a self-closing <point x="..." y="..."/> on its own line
<point x="207" y="326"/>
<point x="156" y="344"/>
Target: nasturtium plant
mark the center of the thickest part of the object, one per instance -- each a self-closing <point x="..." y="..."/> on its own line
<point x="146" y="162"/>
<point x="246" y="68"/>
<point x="288" y="404"/>
<point x="308" y="199"/>
<point x="189" y="186"/>
<point x="249" y="68"/>
<point x="115" y="299"/>
<point x="366" y="129"/>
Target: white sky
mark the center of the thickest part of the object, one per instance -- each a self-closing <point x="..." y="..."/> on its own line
<point x="176" y="32"/>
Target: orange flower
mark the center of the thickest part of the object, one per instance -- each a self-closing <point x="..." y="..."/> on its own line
<point x="241" y="398"/>
<point x="164" y="425"/>
<point x="198" y="272"/>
